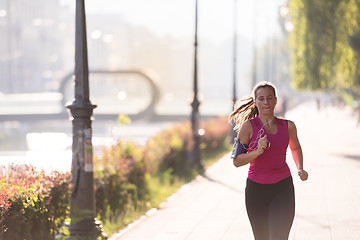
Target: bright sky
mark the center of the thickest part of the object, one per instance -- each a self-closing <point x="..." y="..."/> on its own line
<point x="176" y="17"/>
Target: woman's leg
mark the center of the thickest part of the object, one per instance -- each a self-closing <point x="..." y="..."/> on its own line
<point x="257" y="209"/>
<point x="282" y="211"/>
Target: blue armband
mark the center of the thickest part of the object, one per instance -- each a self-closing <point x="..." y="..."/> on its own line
<point x="238" y="148"/>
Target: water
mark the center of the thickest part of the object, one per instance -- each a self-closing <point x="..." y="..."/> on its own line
<point x="49" y="148"/>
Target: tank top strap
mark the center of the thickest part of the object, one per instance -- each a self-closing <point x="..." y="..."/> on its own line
<point x="256" y="121"/>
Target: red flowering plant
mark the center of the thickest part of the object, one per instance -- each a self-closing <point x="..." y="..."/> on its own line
<point x="33" y="204"/>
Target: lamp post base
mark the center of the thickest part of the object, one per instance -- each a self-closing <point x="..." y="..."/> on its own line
<point x="86" y="230"/>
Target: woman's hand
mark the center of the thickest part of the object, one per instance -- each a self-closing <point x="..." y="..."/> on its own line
<point x="262" y="144"/>
<point x="303" y="174"/>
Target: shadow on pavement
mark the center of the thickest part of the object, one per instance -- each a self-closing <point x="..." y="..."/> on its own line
<point x="222" y="184"/>
<point x="350" y="156"/>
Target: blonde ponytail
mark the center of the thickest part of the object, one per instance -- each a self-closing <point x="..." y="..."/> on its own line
<point x="244" y="109"/>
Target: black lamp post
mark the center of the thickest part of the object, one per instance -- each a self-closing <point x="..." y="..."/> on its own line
<point x="82" y="204"/>
<point x="195" y="155"/>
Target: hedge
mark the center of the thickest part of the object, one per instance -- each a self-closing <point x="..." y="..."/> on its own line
<point x="33" y="204"/>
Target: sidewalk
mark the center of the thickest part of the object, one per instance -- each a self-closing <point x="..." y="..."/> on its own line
<point x="327" y="205"/>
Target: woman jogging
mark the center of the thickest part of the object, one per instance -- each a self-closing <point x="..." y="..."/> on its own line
<point x="262" y="141"/>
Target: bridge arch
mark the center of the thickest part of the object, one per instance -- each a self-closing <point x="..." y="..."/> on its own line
<point x="148" y="76"/>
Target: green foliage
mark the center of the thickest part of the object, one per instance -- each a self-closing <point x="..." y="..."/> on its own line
<point x="161" y="186"/>
<point x="33" y="204"/>
<point x="119" y="180"/>
<point x="168" y="150"/>
<point x="123" y="119"/>
<point x="323" y="56"/>
<point x="131" y="179"/>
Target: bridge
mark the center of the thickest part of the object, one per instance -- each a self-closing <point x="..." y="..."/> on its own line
<point x="135" y="93"/>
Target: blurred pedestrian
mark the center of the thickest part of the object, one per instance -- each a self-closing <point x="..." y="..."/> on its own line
<point x="262" y="141"/>
<point x="357" y="112"/>
<point x="283" y="106"/>
<point x="318" y="103"/>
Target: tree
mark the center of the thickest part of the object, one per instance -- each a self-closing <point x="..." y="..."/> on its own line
<point x="326" y="44"/>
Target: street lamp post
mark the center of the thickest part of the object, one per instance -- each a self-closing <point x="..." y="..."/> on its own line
<point x="82" y="204"/>
<point x="195" y="155"/>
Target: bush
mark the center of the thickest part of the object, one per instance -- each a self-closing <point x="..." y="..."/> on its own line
<point x="119" y="180"/>
<point x="33" y="204"/>
<point x="124" y="172"/>
<point x="216" y="133"/>
<point x="168" y="151"/>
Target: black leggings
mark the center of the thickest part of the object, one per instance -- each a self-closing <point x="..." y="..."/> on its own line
<point x="271" y="208"/>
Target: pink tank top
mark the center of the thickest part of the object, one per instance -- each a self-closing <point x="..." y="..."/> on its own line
<point x="270" y="167"/>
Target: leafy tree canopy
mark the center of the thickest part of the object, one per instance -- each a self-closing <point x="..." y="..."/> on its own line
<point x="326" y="44"/>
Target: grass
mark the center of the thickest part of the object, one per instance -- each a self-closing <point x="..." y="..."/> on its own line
<point x="213" y="156"/>
<point x="161" y="187"/>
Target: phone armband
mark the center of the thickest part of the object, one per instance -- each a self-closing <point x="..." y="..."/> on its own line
<point x="238" y="148"/>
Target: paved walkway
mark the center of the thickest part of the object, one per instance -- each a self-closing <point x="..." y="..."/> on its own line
<point x="327" y="205"/>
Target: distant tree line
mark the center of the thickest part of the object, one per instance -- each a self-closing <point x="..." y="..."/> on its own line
<point x="325" y="45"/>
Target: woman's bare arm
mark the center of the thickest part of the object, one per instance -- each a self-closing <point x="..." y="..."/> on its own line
<point x="296" y="151"/>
